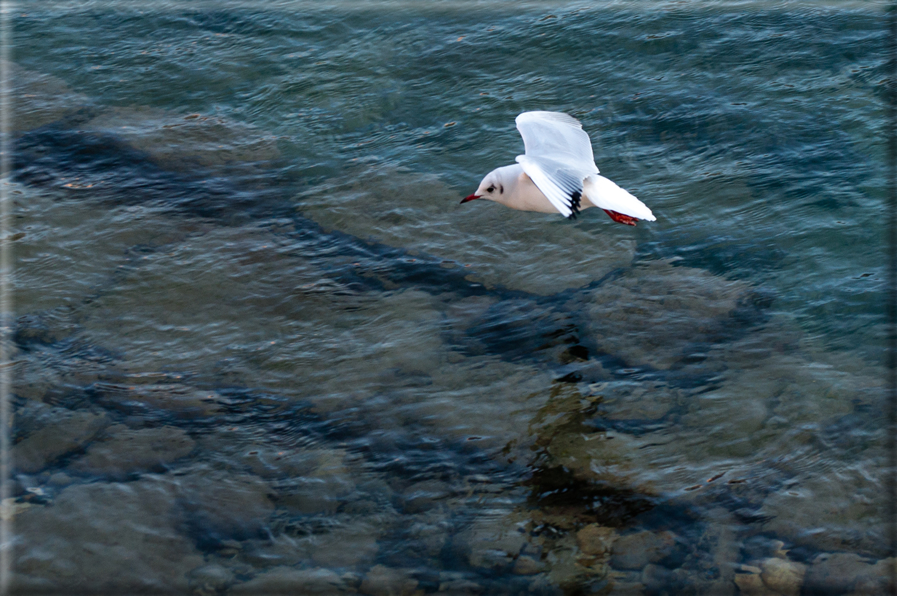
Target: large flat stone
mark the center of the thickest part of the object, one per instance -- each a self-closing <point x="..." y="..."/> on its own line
<point x="289" y="580"/>
<point x="65" y="431"/>
<point x="224" y="505"/>
<point x="128" y="451"/>
<point x="110" y="538"/>
<point x="656" y="313"/>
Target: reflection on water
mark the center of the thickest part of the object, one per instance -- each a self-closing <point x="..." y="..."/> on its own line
<point x="260" y="347"/>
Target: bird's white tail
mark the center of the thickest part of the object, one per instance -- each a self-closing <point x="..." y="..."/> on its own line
<point x="606" y="195"/>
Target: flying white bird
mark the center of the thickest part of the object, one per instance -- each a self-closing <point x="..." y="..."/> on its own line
<point x="557" y="174"/>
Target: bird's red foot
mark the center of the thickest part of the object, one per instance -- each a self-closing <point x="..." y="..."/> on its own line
<point x="620" y="218"/>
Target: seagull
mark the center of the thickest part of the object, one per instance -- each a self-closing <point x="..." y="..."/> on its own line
<point x="557" y="174"/>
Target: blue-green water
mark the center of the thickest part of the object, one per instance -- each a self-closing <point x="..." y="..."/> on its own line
<point x="261" y="347"/>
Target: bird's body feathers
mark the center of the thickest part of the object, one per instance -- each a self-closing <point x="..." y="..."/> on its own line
<point x="557" y="174"/>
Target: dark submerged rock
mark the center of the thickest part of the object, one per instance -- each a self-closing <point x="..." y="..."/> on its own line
<point x="127" y="451"/>
<point x="65" y="432"/>
<point x="119" y="538"/>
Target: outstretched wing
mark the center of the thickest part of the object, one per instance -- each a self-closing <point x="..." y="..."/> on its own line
<point x="558" y="157"/>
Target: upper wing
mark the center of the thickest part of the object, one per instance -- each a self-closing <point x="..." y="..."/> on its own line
<point x="558" y="157"/>
<point x="558" y="137"/>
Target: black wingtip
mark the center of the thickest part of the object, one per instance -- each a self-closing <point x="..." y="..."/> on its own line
<point x="575" y="202"/>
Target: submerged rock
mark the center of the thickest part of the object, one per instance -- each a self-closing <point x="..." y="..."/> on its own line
<point x="635" y="551"/>
<point x="273" y="462"/>
<point x="493" y="541"/>
<point x="581" y="466"/>
<point x="289" y="580"/>
<point x="66" y="431"/>
<point x="783" y="576"/>
<point x="40" y="99"/>
<point x="731" y="418"/>
<point x="636" y="401"/>
<point x="44" y="329"/>
<point x="59" y="480"/>
<point x="151" y="401"/>
<point x="656" y="314"/>
<point x="224" y="505"/>
<point x="59" y="226"/>
<point x="595" y="540"/>
<point x="429" y="535"/>
<point x="335" y="542"/>
<point x="385" y="581"/>
<point x="838" y="512"/>
<point x="456" y="583"/>
<point x="210" y="578"/>
<point x="33" y="381"/>
<point x="716" y="570"/>
<point x="321" y="481"/>
<point x="627" y="588"/>
<point x="564" y="566"/>
<point x="840" y="573"/>
<point x="184" y="142"/>
<point x="311" y="496"/>
<point x="425" y="495"/>
<point x="127" y="451"/>
<point x="750" y="584"/>
<point x="119" y="538"/>
<point x="525" y="565"/>
<point x="347" y="546"/>
<point x="275" y="551"/>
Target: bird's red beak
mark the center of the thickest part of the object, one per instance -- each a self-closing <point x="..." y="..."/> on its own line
<point x="469" y="198"/>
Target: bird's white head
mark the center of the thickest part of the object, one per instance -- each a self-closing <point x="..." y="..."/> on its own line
<point x="494" y="187"/>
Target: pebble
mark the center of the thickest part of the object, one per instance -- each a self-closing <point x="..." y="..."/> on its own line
<point x="59" y="480"/>
<point x="595" y="540"/>
<point x="783" y="576"/>
<point x="525" y="565"/>
<point x="750" y="584"/>
<point x="211" y="578"/>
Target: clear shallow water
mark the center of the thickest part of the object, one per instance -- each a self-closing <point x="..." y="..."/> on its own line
<point x="242" y="269"/>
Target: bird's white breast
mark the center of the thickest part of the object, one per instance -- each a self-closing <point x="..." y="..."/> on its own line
<point x="525" y="195"/>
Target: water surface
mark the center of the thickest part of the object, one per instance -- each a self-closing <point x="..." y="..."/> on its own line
<point x="260" y="346"/>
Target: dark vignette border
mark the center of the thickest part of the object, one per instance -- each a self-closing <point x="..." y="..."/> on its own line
<point x="6" y="298"/>
<point x="891" y="124"/>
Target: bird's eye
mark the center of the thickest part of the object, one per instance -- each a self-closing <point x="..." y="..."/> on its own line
<point x="490" y="189"/>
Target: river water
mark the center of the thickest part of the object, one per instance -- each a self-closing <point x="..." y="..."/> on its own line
<point x="260" y="346"/>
